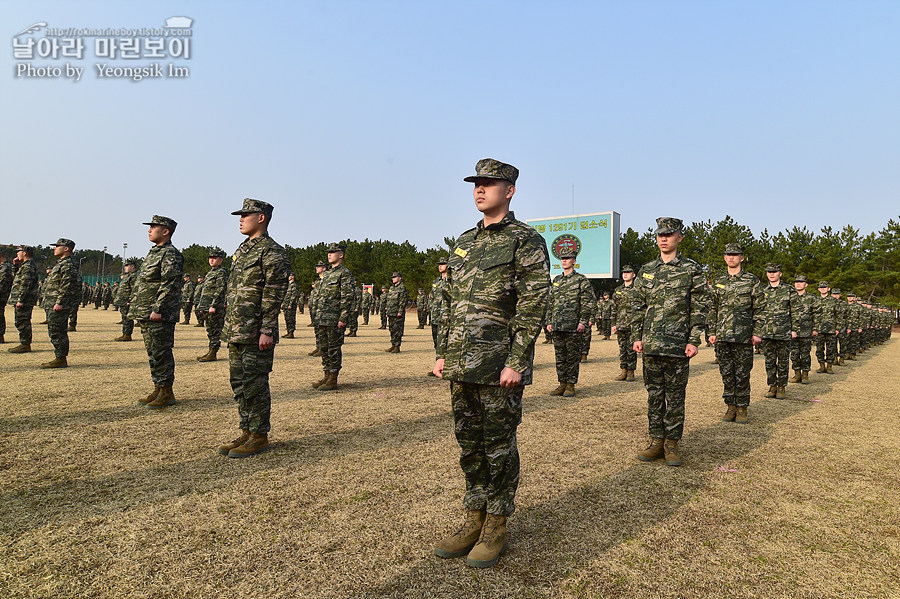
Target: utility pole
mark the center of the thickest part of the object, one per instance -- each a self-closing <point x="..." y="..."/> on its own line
<point x="124" y="255"/>
<point x="103" y="266"/>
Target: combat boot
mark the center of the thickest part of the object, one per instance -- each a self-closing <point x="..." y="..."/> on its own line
<point x="43" y="322"/>
<point x="653" y="451"/>
<point x="123" y="337"/>
<point x="779" y="392"/>
<point x="630" y="376"/>
<point x="622" y="375"/>
<point x="209" y="356"/>
<point x="330" y="383"/>
<point x="821" y="367"/>
<point x="796" y="378"/>
<point x="584" y="357"/>
<point x="151" y="397"/>
<point x="715" y="361"/>
<point x="226" y="447"/>
<point x="546" y="341"/>
<point x="56" y="363"/>
<point x="491" y="544"/>
<point x="199" y="325"/>
<point x="382" y="328"/>
<point x="351" y="334"/>
<point x="289" y="335"/>
<point x="420" y="326"/>
<point x="310" y="325"/>
<point x="671" y="450"/>
<point x="559" y="390"/>
<point x="256" y="443"/>
<point x="828" y="368"/>
<point x="22" y="348"/>
<point x="71" y="328"/>
<point x="321" y="381"/>
<point x="390" y="350"/>
<point x="741" y="416"/>
<point x="730" y="414"/>
<point x="570" y="390"/>
<point x="164" y="399"/>
<point x="771" y="392"/>
<point x="804" y="377"/>
<point x="461" y="542"/>
<point x="841" y="361"/>
<point x="395" y="349"/>
<point x="606" y="337"/>
<point x="315" y="352"/>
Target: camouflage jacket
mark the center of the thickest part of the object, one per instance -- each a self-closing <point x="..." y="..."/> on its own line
<point x="382" y="301"/>
<point x="357" y="299"/>
<point x="669" y="306"/>
<point x="842" y="315"/>
<point x="63" y="285"/>
<point x="422" y="301"/>
<point x="96" y="293"/>
<point x="107" y="294"/>
<point x="212" y="290"/>
<point x="25" y="285"/>
<point x="126" y="288"/>
<point x="198" y="291"/>
<point x="313" y="301"/>
<point x="86" y="293"/>
<point x="735" y="308"/>
<point x="781" y="312"/>
<point x="367" y="301"/>
<point x="604" y="310"/>
<point x="290" y="297"/>
<point x="806" y="315"/>
<point x="825" y="316"/>
<point x="622" y="302"/>
<point x="335" y="293"/>
<point x="158" y="286"/>
<point x="438" y="304"/>
<point x="187" y="292"/>
<point x="569" y="305"/>
<point x="256" y="286"/>
<point x="854" y="316"/>
<point x="6" y="280"/>
<point x="395" y="300"/>
<point x="497" y="297"/>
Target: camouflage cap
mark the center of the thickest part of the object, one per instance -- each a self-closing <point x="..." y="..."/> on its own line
<point x="836" y="291"/>
<point x="488" y="168"/>
<point x="666" y="225"/>
<point x="823" y="285"/>
<point x="773" y="267"/>
<point x="606" y="294"/>
<point x="734" y="248"/>
<point x="216" y="252"/>
<point x="163" y="221"/>
<point x="396" y="274"/>
<point x="335" y="247"/>
<point x="131" y="262"/>
<point x="63" y="241"/>
<point x="801" y="279"/>
<point x="442" y="260"/>
<point x="628" y="268"/>
<point x="851" y="294"/>
<point x="24" y="248"/>
<point x="322" y="264"/>
<point x="253" y="206"/>
<point x="568" y="252"/>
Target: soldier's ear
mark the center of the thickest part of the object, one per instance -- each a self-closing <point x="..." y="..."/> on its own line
<point x="510" y="191"/>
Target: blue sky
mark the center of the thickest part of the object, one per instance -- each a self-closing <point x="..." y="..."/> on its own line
<point x="360" y="119"/>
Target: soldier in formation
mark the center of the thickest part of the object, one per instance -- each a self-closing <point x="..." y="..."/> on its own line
<point x="801" y="345"/>
<point x="825" y="317"/>
<point x="335" y="296"/>
<point x="605" y="315"/>
<point x="321" y="267"/>
<point x="212" y="303"/>
<point x="395" y="307"/>
<point x="367" y="302"/>
<point x="854" y="325"/>
<point x="289" y="307"/>
<point x="155" y="305"/>
<point x="6" y="281"/>
<point x="195" y="300"/>
<point x="355" y="307"/>
<point x="97" y="295"/>
<point x="255" y="292"/>
<point x="622" y="300"/>
<point x="62" y="292"/>
<point x="780" y="315"/>
<point x="126" y="289"/>
<point x="382" y="300"/>
<point x="438" y="306"/>
<point x="301" y="302"/>
<point x="734" y="328"/>
<point x="187" y="298"/>
<point x="24" y="295"/>
<point x="568" y="316"/>
<point x="499" y="281"/>
<point x="85" y="294"/>
<point x="842" y="321"/>
<point x="669" y="304"/>
<point x="107" y="296"/>
<point x="422" y="308"/>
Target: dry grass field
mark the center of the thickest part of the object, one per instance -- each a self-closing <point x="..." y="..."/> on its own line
<point x="103" y="498"/>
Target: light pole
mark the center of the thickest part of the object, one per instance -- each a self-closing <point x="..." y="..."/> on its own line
<point x="103" y="266"/>
<point x="124" y="255"/>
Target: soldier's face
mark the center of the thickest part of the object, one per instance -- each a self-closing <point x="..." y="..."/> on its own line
<point x="733" y="260"/>
<point x="823" y="291"/>
<point x="442" y="268"/>
<point x="20" y="256"/>
<point x="395" y="280"/>
<point x="252" y="223"/>
<point x="774" y="277"/>
<point x="59" y="250"/>
<point x="668" y="242"/>
<point x="492" y="194"/>
<point x="335" y="257"/>
<point x="628" y="277"/>
<point x="129" y="268"/>
<point x="215" y="261"/>
<point x="800" y="285"/>
<point x="157" y="233"/>
<point x="567" y="263"/>
<point x="320" y="270"/>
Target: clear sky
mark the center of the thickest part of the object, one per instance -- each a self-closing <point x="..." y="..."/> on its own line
<point x="360" y="118"/>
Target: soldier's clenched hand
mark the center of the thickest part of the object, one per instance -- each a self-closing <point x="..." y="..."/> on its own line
<point x="509" y="378"/>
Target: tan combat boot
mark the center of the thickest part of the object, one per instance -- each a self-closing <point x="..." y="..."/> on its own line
<point x="491" y="544"/>
<point x="315" y="352"/>
<point x="330" y="383"/>
<point x="22" y="348"/>
<point x="828" y="368"/>
<point x="584" y="357"/>
<point x="164" y="399"/>
<point x="796" y="378"/>
<point x="840" y="361"/>
<point x="606" y="337"/>
<point x="559" y="390"/>
<point x="150" y="397"/>
<point x="622" y="375"/>
<point x="570" y="390"/>
<point x="630" y="377"/>
<point x="71" y="328"/>
<point x="821" y="367"/>
<point x="671" y="449"/>
<point x="653" y="451"/>
<point x="289" y="335"/>
<point x="255" y="444"/>
<point x="56" y="363"/>
<point x="199" y="325"/>
<point x="779" y="392"/>
<point x="226" y="447"/>
<point x="715" y="361"/>
<point x="804" y="377"/>
<point x="771" y="392"/>
<point x="459" y="543"/>
<point x="390" y="350"/>
<point x="209" y="356"/>
<point x="321" y="381"/>
<point x="741" y="416"/>
<point x="351" y="334"/>
<point x="395" y="349"/>
<point x="730" y="414"/>
<point x="123" y="337"/>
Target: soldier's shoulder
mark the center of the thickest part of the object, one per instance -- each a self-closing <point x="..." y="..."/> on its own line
<point x="467" y="235"/>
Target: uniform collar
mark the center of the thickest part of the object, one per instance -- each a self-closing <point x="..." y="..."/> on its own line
<point x="509" y="218"/>
<point x="674" y="262"/>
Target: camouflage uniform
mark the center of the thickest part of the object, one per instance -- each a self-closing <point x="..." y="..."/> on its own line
<point x="622" y="301"/>
<point x="842" y="323"/>
<point x="422" y="308"/>
<point x="395" y="306"/>
<point x="62" y="287"/>
<point x="801" y="346"/>
<point x="367" y="302"/>
<point x="195" y="300"/>
<point x="289" y="307"/>
<point x="313" y="302"/>
<point x="187" y="299"/>
<point x="355" y="307"/>
<point x="439" y="307"/>
<point x="126" y="289"/>
<point x="669" y="303"/>
<point x="780" y="316"/>
<point x="158" y="289"/>
<point x="212" y="295"/>
<point x="569" y="306"/>
<point x="255" y="291"/>
<point x="382" y="312"/>
<point x="25" y="291"/>
<point x="6" y="281"/>
<point x="855" y="324"/>
<point x="97" y="295"/>
<point x="499" y="281"/>
<point x="605" y="314"/>
<point x="336" y="292"/>
<point x="107" y="296"/>
<point x="301" y="302"/>
<point x="735" y="317"/>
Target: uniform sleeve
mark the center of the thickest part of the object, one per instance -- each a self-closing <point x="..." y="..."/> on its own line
<point x="532" y="286"/>
<point x="699" y="306"/>
<point x="796" y="308"/>
<point x="638" y="308"/>
<point x="347" y="296"/>
<point x="587" y="302"/>
<point x="759" y="300"/>
<point x="68" y="279"/>
<point x="171" y="272"/>
<point x="444" y="322"/>
<point x="275" y="272"/>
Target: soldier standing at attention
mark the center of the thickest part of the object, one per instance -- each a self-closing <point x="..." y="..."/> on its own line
<point x="289" y="307"/>
<point x="367" y="303"/>
<point x="842" y="323"/>
<point x="97" y="295"/>
<point x="335" y="297"/>
<point x="62" y="290"/>
<point x="155" y="305"/>
<point x="25" y="293"/>
<point x="438" y="306"/>
<point x="422" y="308"/>
<point x="622" y="312"/>
<point x="826" y="324"/>
<point x="6" y="280"/>
<point x="854" y="325"/>
<point x="395" y="306"/>
<point x="734" y="327"/>
<point x="301" y="302"/>
<point x="669" y="317"/>
<point x="107" y="296"/>
<point x="187" y="298"/>
<point x="126" y="289"/>
<point x="195" y="300"/>
<point x="85" y="294"/>
<point x="314" y="308"/>
<point x="781" y="316"/>
<point x="568" y="315"/>
<point x="606" y="315"/>
<point x="499" y="281"/>
<point x="255" y="292"/>
<point x="382" y="312"/>
<point x="801" y="346"/>
<point x="355" y="307"/>
<point x="211" y="302"/>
